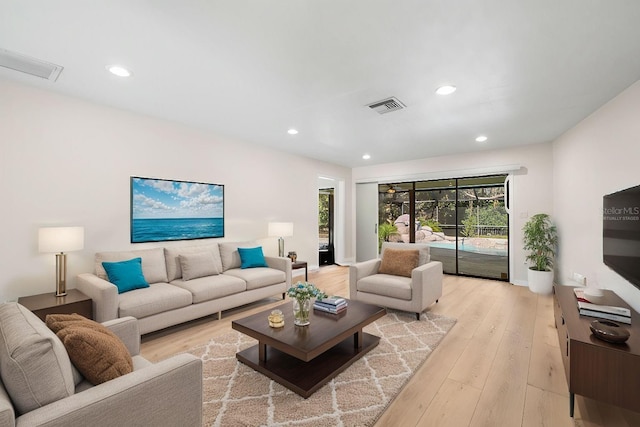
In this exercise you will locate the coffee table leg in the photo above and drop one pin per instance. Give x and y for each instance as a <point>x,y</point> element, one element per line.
<point>262,352</point>
<point>357,339</point>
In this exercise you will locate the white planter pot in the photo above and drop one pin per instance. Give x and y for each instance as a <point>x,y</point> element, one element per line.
<point>540,282</point>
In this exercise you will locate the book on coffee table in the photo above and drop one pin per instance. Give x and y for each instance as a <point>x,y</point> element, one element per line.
<point>334,310</point>
<point>333,301</point>
<point>331,305</point>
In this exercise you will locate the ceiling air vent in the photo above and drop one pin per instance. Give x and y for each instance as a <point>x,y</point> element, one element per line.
<point>25,64</point>
<point>387,105</point>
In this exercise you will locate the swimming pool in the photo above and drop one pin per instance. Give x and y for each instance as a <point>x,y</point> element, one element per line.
<point>468,247</point>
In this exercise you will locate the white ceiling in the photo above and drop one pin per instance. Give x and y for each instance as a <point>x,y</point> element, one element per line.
<point>526,70</point>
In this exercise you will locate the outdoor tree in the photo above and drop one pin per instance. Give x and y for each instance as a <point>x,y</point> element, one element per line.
<point>323,212</point>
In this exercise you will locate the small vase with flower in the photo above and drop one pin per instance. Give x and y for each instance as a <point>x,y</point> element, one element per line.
<point>302,293</point>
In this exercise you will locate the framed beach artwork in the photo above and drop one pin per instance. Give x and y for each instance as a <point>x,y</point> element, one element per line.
<point>163,209</point>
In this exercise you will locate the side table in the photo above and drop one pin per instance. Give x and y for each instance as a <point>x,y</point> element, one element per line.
<point>74,302</point>
<point>301,264</point>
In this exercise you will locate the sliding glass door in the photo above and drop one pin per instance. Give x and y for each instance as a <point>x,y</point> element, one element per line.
<point>483,228</point>
<point>463,220</point>
<point>436,220</point>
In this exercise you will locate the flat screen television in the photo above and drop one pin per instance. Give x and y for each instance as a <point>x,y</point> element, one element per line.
<point>621,233</point>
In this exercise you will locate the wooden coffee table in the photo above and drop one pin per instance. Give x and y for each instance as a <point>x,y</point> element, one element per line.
<point>304,358</point>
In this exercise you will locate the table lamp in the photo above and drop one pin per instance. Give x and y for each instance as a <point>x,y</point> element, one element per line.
<point>280,230</point>
<point>61,240</point>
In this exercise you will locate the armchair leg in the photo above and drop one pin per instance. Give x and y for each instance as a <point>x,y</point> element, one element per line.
<point>437,301</point>
<point>417,316</point>
<point>283,295</point>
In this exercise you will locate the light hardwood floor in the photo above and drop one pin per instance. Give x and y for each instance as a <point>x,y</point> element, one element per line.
<point>499,366</point>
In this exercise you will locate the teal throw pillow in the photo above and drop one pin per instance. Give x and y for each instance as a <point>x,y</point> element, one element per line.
<point>126,275</point>
<point>252,257</point>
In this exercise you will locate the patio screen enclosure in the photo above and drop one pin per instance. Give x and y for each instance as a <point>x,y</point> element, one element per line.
<point>463,220</point>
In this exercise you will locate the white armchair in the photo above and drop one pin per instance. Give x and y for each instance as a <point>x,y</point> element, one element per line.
<point>420,287</point>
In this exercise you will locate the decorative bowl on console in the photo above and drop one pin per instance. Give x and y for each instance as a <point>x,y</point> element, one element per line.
<point>609,331</point>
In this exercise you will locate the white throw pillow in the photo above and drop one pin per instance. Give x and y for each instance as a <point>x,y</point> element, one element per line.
<point>196,265</point>
<point>174,271</point>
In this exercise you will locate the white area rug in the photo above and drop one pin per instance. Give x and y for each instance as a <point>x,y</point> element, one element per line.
<point>236,395</point>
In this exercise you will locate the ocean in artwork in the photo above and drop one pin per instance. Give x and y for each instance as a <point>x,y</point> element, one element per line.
<point>158,230</point>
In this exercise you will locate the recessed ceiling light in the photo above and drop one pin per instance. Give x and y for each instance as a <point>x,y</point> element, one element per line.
<point>445,90</point>
<point>292,132</point>
<point>119,70</point>
<point>481,138</point>
<point>366,156</point>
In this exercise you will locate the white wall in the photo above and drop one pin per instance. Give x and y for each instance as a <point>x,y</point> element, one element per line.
<point>64,161</point>
<point>597,157</point>
<point>532,185</point>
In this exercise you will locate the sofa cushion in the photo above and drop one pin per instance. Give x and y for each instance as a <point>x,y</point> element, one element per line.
<point>423,249</point>
<point>388,285</point>
<point>126,275</point>
<point>399,262</point>
<point>258,277</point>
<point>157,298</point>
<point>153,263</point>
<point>230,255</point>
<point>34,365</point>
<point>174,271</point>
<point>96,351</point>
<point>252,257</point>
<point>196,265</point>
<point>211,287</point>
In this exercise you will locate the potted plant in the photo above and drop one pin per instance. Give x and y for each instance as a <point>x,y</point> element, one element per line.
<point>540,239</point>
<point>385,230</point>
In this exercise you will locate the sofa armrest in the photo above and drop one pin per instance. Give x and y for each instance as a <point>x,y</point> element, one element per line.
<point>126,328</point>
<point>282,264</point>
<point>144,397</point>
<point>7,413</point>
<point>426,282</point>
<point>103,293</point>
<point>358,271</point>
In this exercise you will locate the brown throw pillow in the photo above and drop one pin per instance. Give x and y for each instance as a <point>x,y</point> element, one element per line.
<point>95,351</point>
<point>399,262</point>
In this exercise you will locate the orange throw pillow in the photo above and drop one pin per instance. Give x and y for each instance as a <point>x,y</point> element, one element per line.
<point>399,262</point>
<point>95,351</point>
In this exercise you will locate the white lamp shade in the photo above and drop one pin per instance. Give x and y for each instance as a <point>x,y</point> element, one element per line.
<point>60,239</point>
<point>280,229</point>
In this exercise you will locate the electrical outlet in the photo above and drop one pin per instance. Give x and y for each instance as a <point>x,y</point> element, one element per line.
<point>577,277</point>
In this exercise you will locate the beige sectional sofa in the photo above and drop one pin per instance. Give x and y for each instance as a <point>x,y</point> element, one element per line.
<point>211,283</point>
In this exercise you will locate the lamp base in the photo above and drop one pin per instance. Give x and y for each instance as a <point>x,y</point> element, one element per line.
<point>61,274</point>
<point>281,246</point>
